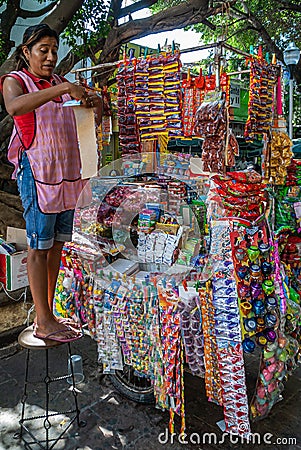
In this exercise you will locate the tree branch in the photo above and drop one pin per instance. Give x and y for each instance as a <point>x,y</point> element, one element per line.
<point>71,58</point>
<point>25,13</point>
<point>287,6</point>
<point>209,24</point>
<point>115,8</point>
<point>8,18</point>
<point>58,19</point>
<point>178,16</point>
<point>163,21</point>
<point>61,15</point>
<point>257,26</point>
<point>134,7</point>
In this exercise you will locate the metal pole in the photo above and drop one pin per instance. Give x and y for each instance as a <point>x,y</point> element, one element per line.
<point>290,108</point>
<point>217,60</point>
<point>185,50</point>
<point>238,72</point>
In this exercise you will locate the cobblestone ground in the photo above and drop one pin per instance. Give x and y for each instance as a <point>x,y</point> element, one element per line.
<point>113,422</point>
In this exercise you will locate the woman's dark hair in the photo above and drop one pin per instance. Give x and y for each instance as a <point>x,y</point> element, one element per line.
<point>31,36</point>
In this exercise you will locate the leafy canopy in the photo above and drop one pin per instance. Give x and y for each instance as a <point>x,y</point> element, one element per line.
<point>89,24</point>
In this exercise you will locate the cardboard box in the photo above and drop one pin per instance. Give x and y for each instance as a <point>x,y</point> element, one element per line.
<point>13,268</point>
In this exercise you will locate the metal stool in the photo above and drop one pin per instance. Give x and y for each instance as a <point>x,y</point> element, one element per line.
<point>27,340</point>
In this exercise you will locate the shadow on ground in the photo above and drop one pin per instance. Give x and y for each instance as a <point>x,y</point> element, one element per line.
<point>114,422</point>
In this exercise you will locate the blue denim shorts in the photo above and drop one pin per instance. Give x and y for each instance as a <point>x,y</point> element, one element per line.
<point>41,229</point>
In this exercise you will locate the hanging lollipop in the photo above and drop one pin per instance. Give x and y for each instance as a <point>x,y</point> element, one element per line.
<point>253,253</point>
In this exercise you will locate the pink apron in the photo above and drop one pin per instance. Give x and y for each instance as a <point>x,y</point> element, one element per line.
<point>53,154</point>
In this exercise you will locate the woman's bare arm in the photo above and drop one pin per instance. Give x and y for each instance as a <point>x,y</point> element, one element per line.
<point>18,103</point>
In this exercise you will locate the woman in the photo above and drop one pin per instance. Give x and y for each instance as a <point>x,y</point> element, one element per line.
<point>44,150</point>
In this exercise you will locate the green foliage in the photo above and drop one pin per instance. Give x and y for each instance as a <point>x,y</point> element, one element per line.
<point>161,5</point>
<point>278,22</point>
<point>89,24</point>
<point>2,52</point>
<point>281,25</point>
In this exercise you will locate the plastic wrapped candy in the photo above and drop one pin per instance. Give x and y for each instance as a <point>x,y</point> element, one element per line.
<point>211,125</point>
<point>279,158</point>
<point>128,135</point>
<point>263,77</point>
<point>192,332</point>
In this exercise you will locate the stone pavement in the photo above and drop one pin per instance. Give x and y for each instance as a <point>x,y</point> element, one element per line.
<point>114,422</point>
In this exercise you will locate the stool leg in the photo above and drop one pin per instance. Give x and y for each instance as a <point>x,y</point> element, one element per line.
<point>74,392</point>
<point>24,397</point>
<point>47,424</point>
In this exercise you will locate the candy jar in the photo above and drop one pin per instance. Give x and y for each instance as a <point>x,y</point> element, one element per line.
<point>248,345</point>
<point>270,335</point>
<point>261,394</point>
<point>260,324</point>
<point>263,409</point>
<point>268,287</point>
<point>250,324</point>
<point>282,340</point>
<point>266,376</point>
<point>271,303</point>
<point>243,290</point>
<point>261,340</point>
<point>266,268</point>
<point>253,253</point>
<point>256,289</point>
<point>246,308</point>
<point>240,254</point>
<point>258,307</point>
<point>264,249</point>
<point>268,353</point>
<point>270,320</point>
<point>289,324</point>
<point>280,372</point>
<point>293,295</point>
<point>282,356</point>
<point>242,272</point>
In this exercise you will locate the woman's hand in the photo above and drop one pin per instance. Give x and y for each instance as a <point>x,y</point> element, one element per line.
<point>88,98</point>
<point>76,90</point>
<point>91,100</point>
<point>18,103</point>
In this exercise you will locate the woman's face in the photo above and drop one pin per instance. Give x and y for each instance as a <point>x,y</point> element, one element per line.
<point>42,57</point>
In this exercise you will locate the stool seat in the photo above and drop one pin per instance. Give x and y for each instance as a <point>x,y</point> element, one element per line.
<point>27,340</point>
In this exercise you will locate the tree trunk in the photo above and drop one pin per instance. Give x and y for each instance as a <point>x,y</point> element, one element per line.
<point>58,19</point>
<point>11,212</point>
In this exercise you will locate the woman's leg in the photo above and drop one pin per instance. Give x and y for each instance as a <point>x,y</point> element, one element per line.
<point>37,276</point>
<point>37,269</point>
<point>53,266</point>
<point>43,254</point>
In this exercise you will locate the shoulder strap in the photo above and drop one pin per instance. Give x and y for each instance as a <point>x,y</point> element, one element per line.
<point>59,78</point>
<point>17,77</point>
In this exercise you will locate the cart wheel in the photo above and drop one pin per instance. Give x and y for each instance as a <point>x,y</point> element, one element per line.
<point>136,388</point>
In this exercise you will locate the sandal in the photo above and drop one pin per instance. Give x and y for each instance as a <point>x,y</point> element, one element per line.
<point>53,336</point>
<point>75,326</point>
<point>70,323</point>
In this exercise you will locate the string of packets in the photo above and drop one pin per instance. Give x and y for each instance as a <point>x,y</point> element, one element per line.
<point>153,101</point>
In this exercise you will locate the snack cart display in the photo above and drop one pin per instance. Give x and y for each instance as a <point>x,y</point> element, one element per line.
<point>170,266</point>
